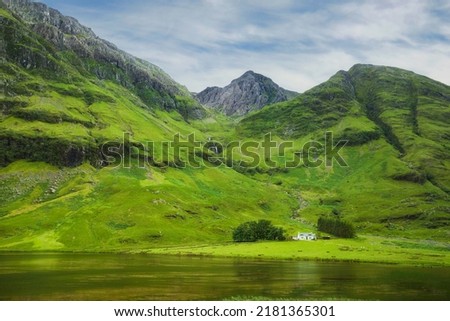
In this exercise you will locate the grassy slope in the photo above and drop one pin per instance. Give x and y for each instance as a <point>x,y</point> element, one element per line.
<point>53,105</point>
<point>412,111</point>
<point>364,192</point>
<point>123,209</point>
<point>110,209</point>
<point>383,191</point>
<point>50,97</point>
<point>187,212</point>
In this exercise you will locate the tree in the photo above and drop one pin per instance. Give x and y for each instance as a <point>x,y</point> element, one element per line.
<point>257,230</point>
<point>336,227</point>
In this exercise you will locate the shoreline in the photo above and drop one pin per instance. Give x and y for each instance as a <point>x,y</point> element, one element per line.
<point>212,256</point>
<point>369,250</point>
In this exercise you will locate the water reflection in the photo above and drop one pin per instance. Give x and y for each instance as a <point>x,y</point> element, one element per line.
<point>142,277</point>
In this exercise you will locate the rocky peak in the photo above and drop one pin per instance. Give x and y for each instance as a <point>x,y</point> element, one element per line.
<point>40,13</point>
<point>250,74</point>
<point>251,91</point>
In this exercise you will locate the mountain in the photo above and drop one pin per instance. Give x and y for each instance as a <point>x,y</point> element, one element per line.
<point>86,163</point>
<point>67,100</point>
<point>410,112</point>
<point>87,53</point>
<point>249,92</point>
<point>65,88</point>
<point>396,124</point>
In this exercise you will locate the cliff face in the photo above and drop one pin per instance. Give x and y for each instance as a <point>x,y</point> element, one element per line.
<point>249,92</point>
<point>93,55</point>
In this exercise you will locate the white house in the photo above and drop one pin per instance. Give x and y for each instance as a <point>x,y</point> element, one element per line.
<point>305,237</point>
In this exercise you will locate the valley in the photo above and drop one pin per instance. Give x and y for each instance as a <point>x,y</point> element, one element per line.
<point>68,95</point>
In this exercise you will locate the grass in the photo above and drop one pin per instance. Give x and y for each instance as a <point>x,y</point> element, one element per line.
<point>365,248</point>
<point>90,210</point>
<point>396,184</point>
<point>116,209</point>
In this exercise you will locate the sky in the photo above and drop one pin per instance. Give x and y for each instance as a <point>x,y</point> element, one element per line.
<point>297,43</point>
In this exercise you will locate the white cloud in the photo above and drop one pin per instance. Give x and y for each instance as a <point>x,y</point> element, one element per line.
<point>202,43</point>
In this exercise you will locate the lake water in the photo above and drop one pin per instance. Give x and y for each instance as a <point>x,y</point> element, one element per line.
<point>148,277</point>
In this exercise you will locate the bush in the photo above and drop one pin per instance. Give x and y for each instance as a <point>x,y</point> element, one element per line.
<point>336,227</point>
<point>260,230</point>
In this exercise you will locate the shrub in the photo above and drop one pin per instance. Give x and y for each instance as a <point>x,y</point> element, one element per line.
<point>260,230</point>
<point>336,227</point>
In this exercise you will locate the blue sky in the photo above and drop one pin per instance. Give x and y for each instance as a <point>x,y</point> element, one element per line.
<point>298,44</point>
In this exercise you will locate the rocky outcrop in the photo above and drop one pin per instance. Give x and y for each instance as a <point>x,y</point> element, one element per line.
<point>249,92</point>
<point>104,59</point>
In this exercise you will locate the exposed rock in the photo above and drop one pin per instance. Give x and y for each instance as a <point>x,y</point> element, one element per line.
<point>149,82</point>
<point>249,92</point>
<point>159,201</point>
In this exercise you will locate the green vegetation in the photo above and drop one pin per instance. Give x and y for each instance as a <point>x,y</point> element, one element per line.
<point>396,182</point>
<point>45,208</point>
<point>59,192</point>
<point>336,227</point>
<point>52,96</point>
<point>365,248</point>
<point>256,231</point>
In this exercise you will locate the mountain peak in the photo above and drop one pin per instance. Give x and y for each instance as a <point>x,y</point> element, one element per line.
<point>39,13</point>
<point>249,73</point>
<point>251,91</point>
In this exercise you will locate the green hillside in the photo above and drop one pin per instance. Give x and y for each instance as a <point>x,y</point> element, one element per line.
<point>55,97</point>
<point>63,100</point>
<point>44,207</point>
<point>57,191</point>
<point>397,127</point>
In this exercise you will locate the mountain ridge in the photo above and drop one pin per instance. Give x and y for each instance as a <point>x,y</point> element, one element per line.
<point>59,191</point>
<point>104,59</point>
<point>249,92</point>
<point>73,101</point>
<point>395,104</point>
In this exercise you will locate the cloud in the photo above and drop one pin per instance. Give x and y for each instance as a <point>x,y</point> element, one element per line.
<point>298,44</point>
